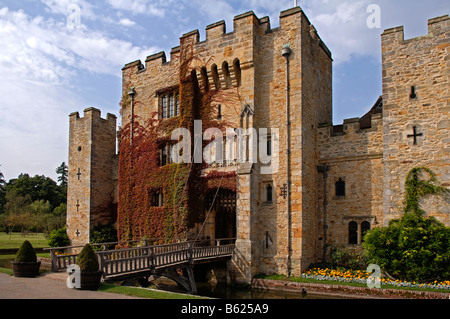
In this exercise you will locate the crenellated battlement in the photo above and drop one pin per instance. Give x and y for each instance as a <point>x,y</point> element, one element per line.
<point>436,27</point>
<point>246,27</point>
<point>92,113</point>
<point>354,125</point>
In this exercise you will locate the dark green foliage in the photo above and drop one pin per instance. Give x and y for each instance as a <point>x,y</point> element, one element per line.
<point>62,171</point>
<point>103,234</point>
<point>58,238</point>
<point>87,259</point>
<point>2,193</point>
<point>413,248</point>
<point>347,257</point>
<point>26,253</point>
<point>38,187</point>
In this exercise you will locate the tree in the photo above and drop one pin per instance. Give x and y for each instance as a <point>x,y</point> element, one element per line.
<point>2,192</point>
<point>62,171</point>
<point>414,247</point>
<point>38,187</point>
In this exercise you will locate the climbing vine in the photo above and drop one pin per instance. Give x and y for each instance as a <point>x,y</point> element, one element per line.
<point>416,188</point>
<point>141,176</point>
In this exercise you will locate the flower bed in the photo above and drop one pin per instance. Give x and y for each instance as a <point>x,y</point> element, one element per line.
<point>360,276</point>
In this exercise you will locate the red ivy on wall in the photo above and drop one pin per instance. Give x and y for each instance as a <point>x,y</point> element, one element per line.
<point>183,187</point>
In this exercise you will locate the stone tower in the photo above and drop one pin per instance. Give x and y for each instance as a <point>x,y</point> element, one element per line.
<point>416,122</point>
<point>274,78</point>
<point>92,149</point>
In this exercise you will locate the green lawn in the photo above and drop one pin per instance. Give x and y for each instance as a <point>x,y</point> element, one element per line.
<point>15,240</point>
<point>145,293</point>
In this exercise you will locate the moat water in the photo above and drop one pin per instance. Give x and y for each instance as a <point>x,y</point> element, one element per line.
<point>222,291</point>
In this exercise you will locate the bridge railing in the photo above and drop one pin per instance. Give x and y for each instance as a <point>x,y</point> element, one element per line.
<point>146,255</point>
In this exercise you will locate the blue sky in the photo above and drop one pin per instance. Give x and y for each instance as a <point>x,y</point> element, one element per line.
<point>48,69</point>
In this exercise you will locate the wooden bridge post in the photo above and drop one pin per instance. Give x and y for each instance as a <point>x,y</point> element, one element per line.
<point>151,259</point>
<point>54,261</point>
<point>190,268</point>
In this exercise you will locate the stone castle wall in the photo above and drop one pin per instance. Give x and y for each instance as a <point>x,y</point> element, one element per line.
<point>422,63</point>
<point>355,156</point>
<point>247,71</point>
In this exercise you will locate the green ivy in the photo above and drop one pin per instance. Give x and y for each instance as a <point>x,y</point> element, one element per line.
<point>418,188</point>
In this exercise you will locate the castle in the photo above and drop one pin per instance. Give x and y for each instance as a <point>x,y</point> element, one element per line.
<point>332,183</point>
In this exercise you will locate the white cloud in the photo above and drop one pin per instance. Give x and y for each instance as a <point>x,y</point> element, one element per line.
<point>63,7</point>
<point>127,22</point>
<point>40,61</point>
<point>44,50</point>
<point>153,8</point>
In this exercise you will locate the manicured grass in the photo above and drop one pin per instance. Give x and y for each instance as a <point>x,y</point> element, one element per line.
<point>15,240</point>
<point>145,293</point>
<point>6,271</point>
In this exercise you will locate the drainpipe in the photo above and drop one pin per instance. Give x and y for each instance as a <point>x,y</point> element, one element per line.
<point>324,169</point>
<point>286,52</point>
<point>131,93</point>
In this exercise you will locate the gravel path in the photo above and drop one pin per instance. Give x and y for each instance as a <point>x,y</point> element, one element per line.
<point>47,286</point>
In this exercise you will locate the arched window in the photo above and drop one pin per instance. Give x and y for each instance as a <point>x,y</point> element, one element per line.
<point>269,191</point>
<point>226,74</point>
<point>340,187</point>
<point>353,233</point>
<point>237,71</point>
<point>365,227</point>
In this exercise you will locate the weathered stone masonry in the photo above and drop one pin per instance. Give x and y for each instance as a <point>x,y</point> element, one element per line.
<point>366,159</point>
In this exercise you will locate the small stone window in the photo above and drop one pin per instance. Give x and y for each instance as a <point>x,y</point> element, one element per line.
<point>157,198</point>
<point>413,94</point>
<point>353,233</point>
<point>340,188</point>
<point>269,145</point>
<point>269,193</point>
<point>79,148</point>
<point>219,111</point>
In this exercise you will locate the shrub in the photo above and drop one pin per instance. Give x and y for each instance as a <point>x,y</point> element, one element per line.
<point>413,248</point>
<point>87,260</point>
<point>58,238</point>
<point>26,253</point>
<point>349,257</point>
<point>103,234</point>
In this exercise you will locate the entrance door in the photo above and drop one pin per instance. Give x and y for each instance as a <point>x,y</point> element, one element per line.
<point>225,208</point>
